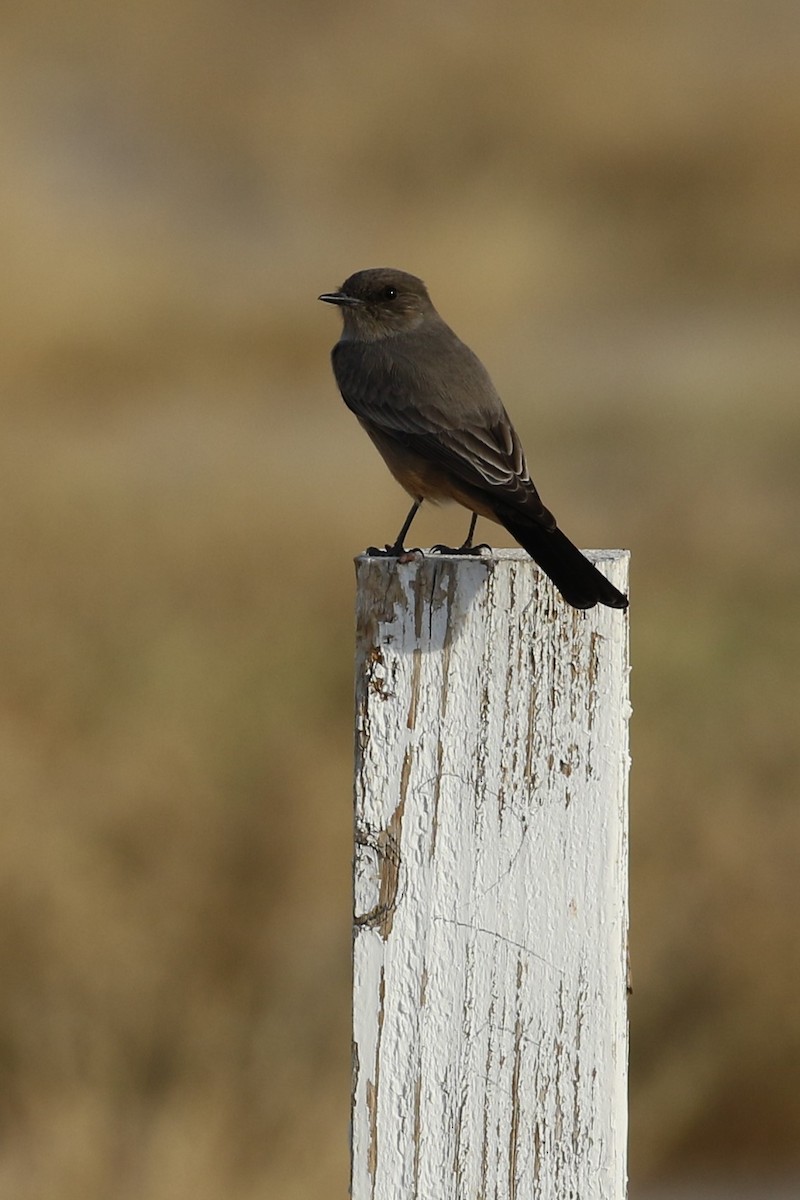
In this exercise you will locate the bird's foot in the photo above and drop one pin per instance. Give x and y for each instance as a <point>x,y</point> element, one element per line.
<point>397,551</point>
<point>462,550</point>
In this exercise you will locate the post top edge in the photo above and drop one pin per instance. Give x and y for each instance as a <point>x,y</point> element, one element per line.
<point>498,555</point>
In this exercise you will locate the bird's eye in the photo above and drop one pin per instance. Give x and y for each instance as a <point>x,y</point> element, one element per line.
<point>389,293</point>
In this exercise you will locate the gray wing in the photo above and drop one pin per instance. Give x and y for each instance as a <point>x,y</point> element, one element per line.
<point>434,397</point>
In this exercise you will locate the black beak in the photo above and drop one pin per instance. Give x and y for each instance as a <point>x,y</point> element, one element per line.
<point>339,298</point>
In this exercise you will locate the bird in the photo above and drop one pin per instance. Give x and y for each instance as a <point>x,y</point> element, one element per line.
<point>431,409</point>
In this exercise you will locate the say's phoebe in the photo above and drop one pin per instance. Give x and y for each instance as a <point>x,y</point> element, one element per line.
<point>430,407</point>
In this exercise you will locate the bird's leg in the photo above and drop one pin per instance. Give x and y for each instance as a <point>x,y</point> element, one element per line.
<point>466,546</point>
<point>397,550</point>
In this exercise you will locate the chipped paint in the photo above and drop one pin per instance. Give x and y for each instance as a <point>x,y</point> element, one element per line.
<point>489,885</point>
<point>373,1092</point>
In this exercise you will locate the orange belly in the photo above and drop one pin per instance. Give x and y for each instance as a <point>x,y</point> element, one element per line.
<point>427,480</point>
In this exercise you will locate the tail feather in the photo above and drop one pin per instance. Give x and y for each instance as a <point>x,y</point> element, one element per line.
<point>578,580</point>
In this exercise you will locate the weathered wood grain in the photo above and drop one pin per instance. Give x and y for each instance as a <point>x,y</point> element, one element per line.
<point>490,880</point>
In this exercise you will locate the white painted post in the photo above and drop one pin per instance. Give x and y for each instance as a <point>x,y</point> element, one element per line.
<point>490,1030</point>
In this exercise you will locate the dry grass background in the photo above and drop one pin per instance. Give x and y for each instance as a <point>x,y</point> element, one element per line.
<point>603,198</point>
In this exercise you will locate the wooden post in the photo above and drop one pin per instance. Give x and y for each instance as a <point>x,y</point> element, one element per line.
<point>490,878</point>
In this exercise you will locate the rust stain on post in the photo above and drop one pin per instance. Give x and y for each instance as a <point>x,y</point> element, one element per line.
<point>415,677</point>
<point>389,849</point>
<point>389,842</point>
<point>373,1091</point>
<point>516,1105</point>
<point>372,1107</point>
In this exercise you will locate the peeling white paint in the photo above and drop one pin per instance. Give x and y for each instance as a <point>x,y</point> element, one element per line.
<point>490,884</point>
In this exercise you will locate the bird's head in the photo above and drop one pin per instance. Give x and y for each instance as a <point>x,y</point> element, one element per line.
<point>381,302</point>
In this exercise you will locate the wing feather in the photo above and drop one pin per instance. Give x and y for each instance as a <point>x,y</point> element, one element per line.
<point>437,401</point>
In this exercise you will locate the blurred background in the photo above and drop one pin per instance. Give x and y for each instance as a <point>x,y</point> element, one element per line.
<point>603,199</point>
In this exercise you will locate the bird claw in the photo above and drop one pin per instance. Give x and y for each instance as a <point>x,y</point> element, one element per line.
<point>399,552</point>
<point>459,551</point>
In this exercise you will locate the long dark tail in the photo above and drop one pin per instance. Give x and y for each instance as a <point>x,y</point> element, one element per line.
<point>578,580</point>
